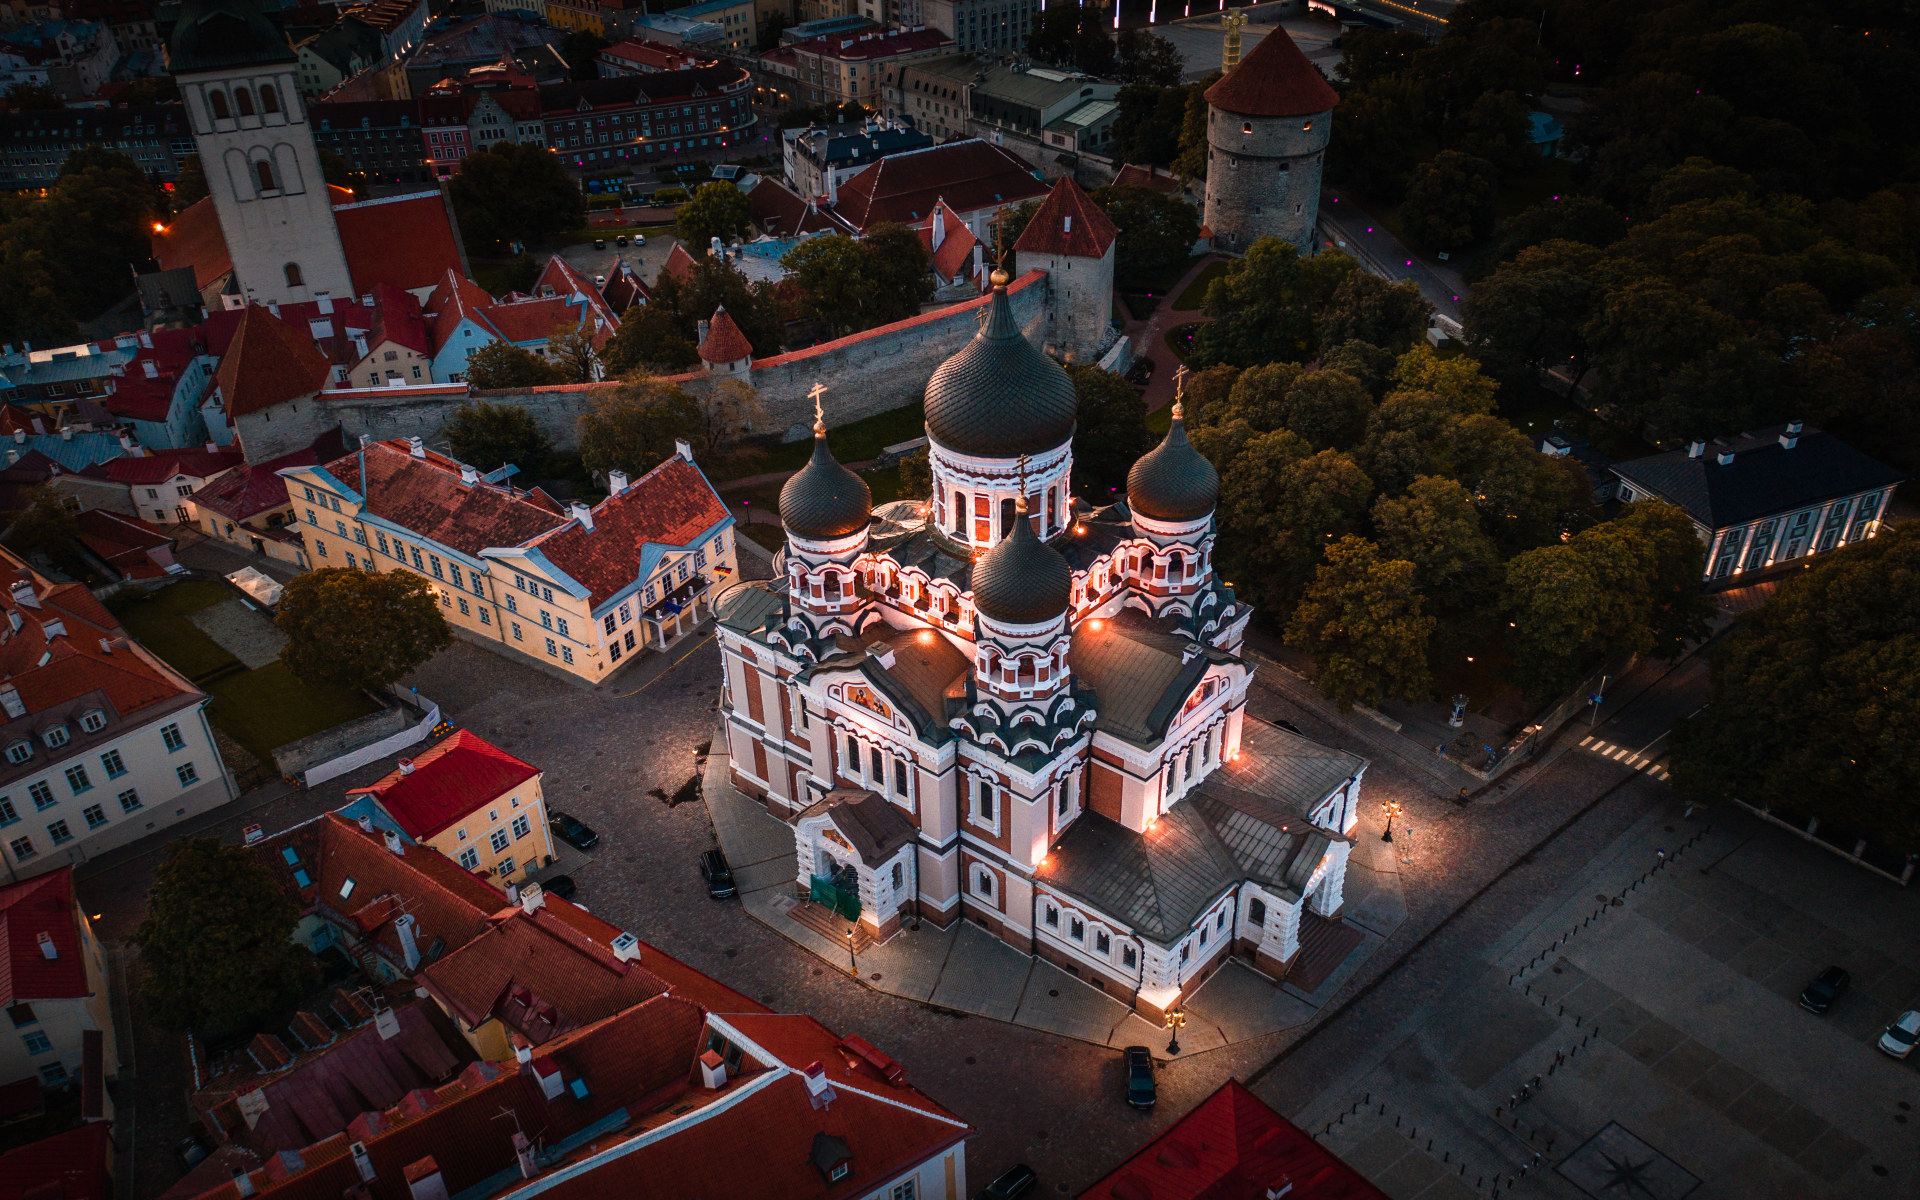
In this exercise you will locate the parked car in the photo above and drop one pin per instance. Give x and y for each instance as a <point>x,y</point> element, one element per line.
<point>719,876</point>
<point>1900,1036</point>
<point>639,239</point>
<point>1827,987</point>
<point>1017,1182</point>
<point>599,243</point>
<point>1141,1090</point>
<point>621,240</point>
<point>561,886</point>
<point>572,831</point>
<point>600,281</point>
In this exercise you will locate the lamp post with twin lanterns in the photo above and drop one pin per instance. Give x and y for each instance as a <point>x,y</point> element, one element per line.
<point>1392,809</point>
<point>1176,1019</point>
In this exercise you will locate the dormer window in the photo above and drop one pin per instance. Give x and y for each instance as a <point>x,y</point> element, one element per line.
<point>20,751</point>
<point>56,736</point>
<point>93,720</point>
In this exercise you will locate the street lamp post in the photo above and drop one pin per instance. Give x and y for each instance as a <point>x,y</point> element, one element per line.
<point>1392,809</point>
<point>1175,1020</point>
<point>853,965</point>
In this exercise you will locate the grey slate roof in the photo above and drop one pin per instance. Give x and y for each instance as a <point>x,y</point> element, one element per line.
<point>1173,481</point>
<point>746,608</point>
<point>824,500</point>
<point>1763,480</point>
<point>1133,664</point>
<point>1221,834</point>
<point>870,823</point>
<point>1022,580</point>
<point>999,396</point>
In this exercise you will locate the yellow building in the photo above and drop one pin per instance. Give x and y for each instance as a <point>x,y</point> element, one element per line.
<point>474,803</point>
<point>574,590</point>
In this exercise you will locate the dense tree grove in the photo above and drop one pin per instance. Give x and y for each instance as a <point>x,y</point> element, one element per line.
<point>509,193</point>
<point>64,256</point>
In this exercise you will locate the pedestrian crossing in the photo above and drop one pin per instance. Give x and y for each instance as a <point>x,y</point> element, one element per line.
<point>1650,764</point>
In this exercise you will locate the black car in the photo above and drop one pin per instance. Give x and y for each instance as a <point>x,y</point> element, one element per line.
<point>561,886</point>
<point>719,876</point>
<point>1827,987</point>
<point>571,831</point>
<point>621,240</point>
<point>1017,1182</point>
<point>599,243</point>
<point>1141,1091</point>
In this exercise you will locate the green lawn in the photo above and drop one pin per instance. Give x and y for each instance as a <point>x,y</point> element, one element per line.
<point>259,709</point>
<point>1195,297</point>
<point>860,441</point>
<point>1179,339</point>
<point>1156,283</point>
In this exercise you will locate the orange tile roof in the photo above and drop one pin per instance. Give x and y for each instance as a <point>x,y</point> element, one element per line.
<point>669,506</point>
<point>126,543</point>
<point>1274,80</point>
<point>425,495</point>
<point>43,904</point>
<point>405,241</point>
<point>955,255</point>
<point>679,263</point>
<point>163,465</point>
<point>797,1039</point>
<point>1149,176</point>
<point>1067,222</point>
<point>969,175</point>
<point>454,299</point>
<point>269,362</point>
<point>431,791</point>
<point>532,320</point>
<point>194,240</point>
<point>725,343</point>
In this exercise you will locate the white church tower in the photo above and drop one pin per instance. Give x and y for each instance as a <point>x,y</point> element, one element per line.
<point>237,76</point>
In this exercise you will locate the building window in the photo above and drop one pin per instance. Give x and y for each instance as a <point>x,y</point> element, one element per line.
<point>269,101</point>
<point>93,721</point>
<point>115,765</point>
<point>95,815</point>
<point>77,779</point>
<point>187,774</point>
<point>1053,916</point>
<point>983,884</point>
<point>1127,956</point>
<point>59,832</point>
<point>130,800</point>
<point>42,796</point>
<point>56,736</point>
<point>566,654</point>
<point>8,814</point>
<point>551,648</point>
<point>36,1041</point>
<point>22,1015</point>
<point>516,630</point>
<point>22,849</point>
<point>463,606</point>
<point>521,827</point>
<point>19,752</point>
<point>1077,930</point>
<point>470,858</point>
<point>983,800</point>
<point>498,840</point>
<point>1257,912</point>
<point>170,734</point>
<point>1102,943</point>
<point>1186,952</point>
<point>293,269</point>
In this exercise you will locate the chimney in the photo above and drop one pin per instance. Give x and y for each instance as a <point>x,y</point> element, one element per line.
<point>47,948</point>
<point>416,447</point>
<point>833,188</point>
<point>395,845</point>
<point>273,308</point>
<point>531,897</point>
<point>1067,223</point>
<point>13,456</point>
<point>513,893</point>
<point>582,514</point>
<point>522,1049</point>
<point>66,433</point>
<point>406,766</point>
<point>939,226</point>
<point>616,482</point>
<point>242,1184</point>
<point>361,1162</point>
<point>1796,428</point>
<point>1726,458</point>
<point>10,698</point>
<point>20,437</point>
<point>683,448</point>
<point>424,1181</point>
<point>548,1073</point>
<point>1279,1190</point>
<point>1696,448</point>
<point>146,339</point>
<point>148,367</point>
<point>126,443</point>
<point>411,951</point>
<point>213,447</point>
<point>819,1091</point>
<point>523,1151</point>
<point>23,594</point>
<point>713,1070</point>
<point>1790,437</point>
<point>715,248</point>
<point>326,304</point>
<point>626,947</point>
<point>365,823</point>
<point>54,628</point>
<point>468,475</point>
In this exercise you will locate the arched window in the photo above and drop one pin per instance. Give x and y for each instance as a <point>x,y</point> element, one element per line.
<point>243,100</point>
<point>264,170</point>
<point>269,99</point>
<point>217,101</point>
<point>293,274</point>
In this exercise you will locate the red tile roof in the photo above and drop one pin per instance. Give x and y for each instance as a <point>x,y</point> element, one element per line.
<point>798,1039</point>
<point>625,288</point>
<point>670,506</point>
<point>131,546</point>
<point>194,240</point>
<point>456,298</point>
<point>250,489</point>
<point>532,320</point>
<point>1274,80</point>
<point>397,318</point>
<point>269,362</point>
<point>405,241</point>
<point>680,263</point>
<point>462,773</point>
<point>1149,176</point>
<point>640,52</point>
<point>779,212</point>
<point>954,258</point>
<point>139,397</point>
<point>425,495</point>
<point>162,465</point>
<point>43,904</point>
<point>725,343</point>
<point>969,175</point>
<point>1067,222</point>
<point>877,44</point>
<point>1232,1147</point>
<point>66,1166</point>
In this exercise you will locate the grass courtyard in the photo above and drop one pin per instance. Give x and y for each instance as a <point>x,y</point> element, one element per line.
<point>259,709</point>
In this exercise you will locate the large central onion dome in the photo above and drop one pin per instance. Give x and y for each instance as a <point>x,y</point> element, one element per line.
<point>824,501</point>
<point>1173,481</point>
<point>1000,397</point>
<point>1022,580</point>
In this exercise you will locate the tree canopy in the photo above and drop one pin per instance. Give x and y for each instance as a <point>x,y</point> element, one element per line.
<point>361,629</point>
<point>716,210</point>
<point>504,365</point>
<point>856,285</point>
<point>217,942</point>
<point>1155,231</point>
<point>490,436</point>
<point>510,192</point>
<point>1111,434</point>
<point>710,283</point>
<point>1361,622</point>
<point>1264,307</point>
<point>632,428</point>
<point>64,257</point>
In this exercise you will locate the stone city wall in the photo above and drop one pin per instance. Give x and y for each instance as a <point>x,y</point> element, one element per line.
<point>865,374</point>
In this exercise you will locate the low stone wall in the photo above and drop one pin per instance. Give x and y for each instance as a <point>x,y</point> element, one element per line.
<point>352,744</point>
<point>867,373</point>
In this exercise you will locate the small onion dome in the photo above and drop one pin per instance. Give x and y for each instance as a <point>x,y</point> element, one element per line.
<point>1000,397</point>
<point>1022,581</point>
<point>1173,481</point>
<point>824,501</point>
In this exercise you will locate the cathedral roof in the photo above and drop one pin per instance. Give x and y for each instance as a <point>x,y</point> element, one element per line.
<point>824,500</point>
<point>1000,397</point>
<point>1022,580</point>
<point>874,825</point>
<point>1173,481</point>
<point>1140,668</point>
<point>212,34</point>
<point>1274,80</point>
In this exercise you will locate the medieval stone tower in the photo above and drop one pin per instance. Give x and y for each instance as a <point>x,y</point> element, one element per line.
<point>239,81</point>
<point>1073,242</point>
<point>1267,126</point>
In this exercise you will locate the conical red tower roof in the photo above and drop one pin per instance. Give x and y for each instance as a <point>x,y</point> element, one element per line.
<point>1274,80</point>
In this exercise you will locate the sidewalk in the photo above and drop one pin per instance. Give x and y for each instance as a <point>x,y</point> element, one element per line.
<point>965,969</point>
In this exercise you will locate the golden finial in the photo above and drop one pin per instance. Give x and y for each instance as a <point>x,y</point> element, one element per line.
<point>1020,501</point>
<point>819,411</point>
<point>1230,48</point>
<point>1000,278</point>
<point>1179,384</point>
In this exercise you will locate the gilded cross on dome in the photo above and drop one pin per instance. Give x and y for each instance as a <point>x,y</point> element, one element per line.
<point>819,411</point>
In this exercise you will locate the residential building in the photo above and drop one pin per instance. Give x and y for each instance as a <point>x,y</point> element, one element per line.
<point>471,801</point>
<point>455,49</point>
<point>850,68</point>
<point>159,487</point>
<point>1232,1144</point>
<point>74,58</point>
<point>932,94</point>
<point>974,179</point>
<point>993,27</point>
<point>248,507</point>
<point>1040,111</point>
<point>575,591</point>
<point>131,550</point>
<point>402,23</point>
<point>158,392</point>
<point>55,985</point>
<point>34,144</point>
<point>597,124</point>
<point>462,318</point>
<point>73,1165</point>
<point>335,55</point>
<point>1002,705</point>
<point>672,29</point>
<point>384,138</point>
<point>131,21</point>
<point>736,18</point>
<point>51,381</point>
<point>105,743</point>
<point>1765,500</point>
<point>443,121</point>
<point>637,57</point>
<point>809,153</point>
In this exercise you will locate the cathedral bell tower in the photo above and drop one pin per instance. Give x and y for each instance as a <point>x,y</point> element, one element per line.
<point>238,78</point>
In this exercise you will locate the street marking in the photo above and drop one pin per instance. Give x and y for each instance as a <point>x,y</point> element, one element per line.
<point>1586,739</point>
<point>1623,753</point>
<point>1663,776</point>
<point>1602,747</point>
